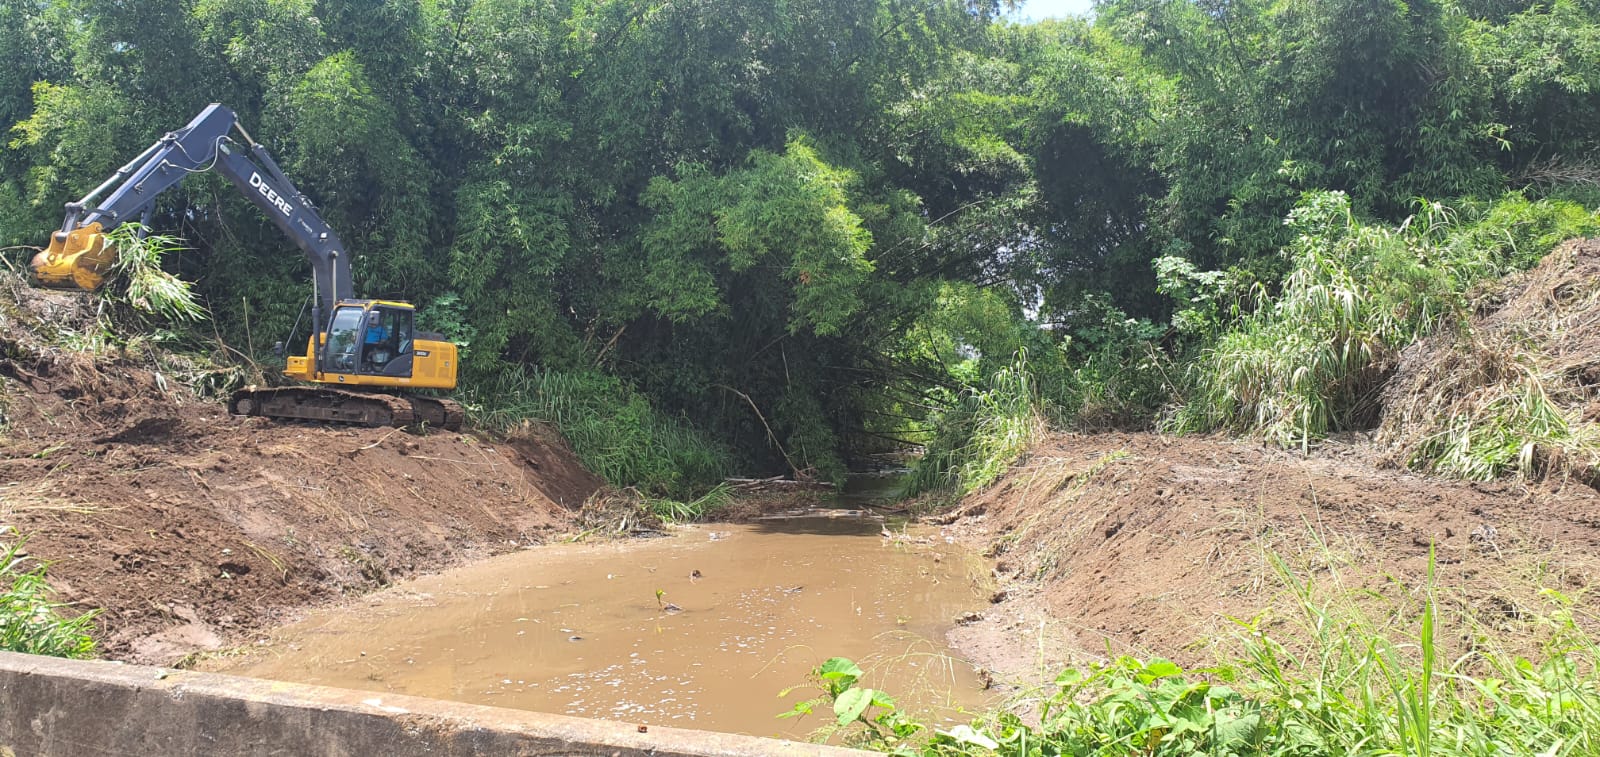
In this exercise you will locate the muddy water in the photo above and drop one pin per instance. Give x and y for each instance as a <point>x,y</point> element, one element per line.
<point>701,629</point>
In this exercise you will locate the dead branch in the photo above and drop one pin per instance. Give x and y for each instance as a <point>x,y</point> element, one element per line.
<point>794,469</point>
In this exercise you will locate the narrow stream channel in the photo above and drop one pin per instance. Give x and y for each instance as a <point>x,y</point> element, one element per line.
<point>743,612</point>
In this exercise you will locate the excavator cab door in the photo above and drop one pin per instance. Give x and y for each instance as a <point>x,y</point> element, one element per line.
<point>370,341</point>
<point>386,342</point>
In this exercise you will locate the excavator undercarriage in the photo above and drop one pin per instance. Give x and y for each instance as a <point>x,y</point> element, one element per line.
<point>321,403</point>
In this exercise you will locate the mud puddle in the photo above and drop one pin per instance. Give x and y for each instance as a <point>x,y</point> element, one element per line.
<point>702,629</point>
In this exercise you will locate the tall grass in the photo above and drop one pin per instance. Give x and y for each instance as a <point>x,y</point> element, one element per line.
<point>1312,359</point>
<point>1330,681</point>
<point>611,427</point>
<point>679,511</point>
<point>29,621</point>
<point>1309,362</point>
<point>983,434</point>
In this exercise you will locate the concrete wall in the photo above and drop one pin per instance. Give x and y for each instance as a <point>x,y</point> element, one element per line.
<point>81,709</point>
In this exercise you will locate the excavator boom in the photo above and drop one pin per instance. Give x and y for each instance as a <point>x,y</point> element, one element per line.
<point>78,255</point>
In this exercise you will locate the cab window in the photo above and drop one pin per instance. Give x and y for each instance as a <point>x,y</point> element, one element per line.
<point>344,333</point>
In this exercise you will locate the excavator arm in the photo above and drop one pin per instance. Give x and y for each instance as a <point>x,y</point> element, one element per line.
<point>79,255</point>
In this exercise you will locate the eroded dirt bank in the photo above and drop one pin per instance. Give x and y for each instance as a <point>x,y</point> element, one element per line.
<point>192,528</point>
<point>1148,545</point>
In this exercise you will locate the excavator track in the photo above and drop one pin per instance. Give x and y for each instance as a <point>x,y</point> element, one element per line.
<point>436,412</point>
<point>313,403</point>
<point>323,404</point>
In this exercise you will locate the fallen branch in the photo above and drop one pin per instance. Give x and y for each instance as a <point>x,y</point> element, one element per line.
<point>448,460</point>
<point>776,482</point>
<point>380,441</point>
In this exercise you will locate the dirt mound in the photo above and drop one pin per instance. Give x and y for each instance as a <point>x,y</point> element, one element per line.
<point>191,527</point>
<point>1149,544</point>
<point>1518,390</point>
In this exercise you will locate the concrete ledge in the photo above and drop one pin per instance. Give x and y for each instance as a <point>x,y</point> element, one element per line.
<point>77,708</point>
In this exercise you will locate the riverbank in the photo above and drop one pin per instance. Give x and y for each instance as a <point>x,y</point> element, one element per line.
<point>1179,547</point>
<point>190,529</point>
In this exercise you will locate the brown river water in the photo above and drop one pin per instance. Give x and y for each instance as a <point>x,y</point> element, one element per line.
<point>743,612</point>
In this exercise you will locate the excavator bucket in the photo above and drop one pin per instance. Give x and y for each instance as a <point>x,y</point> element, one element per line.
<point>79,258</point>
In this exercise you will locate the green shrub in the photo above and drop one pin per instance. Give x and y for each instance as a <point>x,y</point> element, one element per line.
<point>612,428</point>
<point>29,622</point>
<point>1311,359</point>
<point>1118,375</point>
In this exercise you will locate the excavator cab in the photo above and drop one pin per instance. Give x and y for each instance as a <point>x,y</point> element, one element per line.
<point>373,340</point>
<point>370,358</point>
<point>375,343</point>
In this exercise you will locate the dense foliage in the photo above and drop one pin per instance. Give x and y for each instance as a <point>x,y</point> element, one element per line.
<point>810,228</point>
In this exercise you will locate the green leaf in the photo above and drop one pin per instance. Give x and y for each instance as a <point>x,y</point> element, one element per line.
<point>838,668</point>
<point>1159,669</point>
<point>1241,730</point>
<point>800,709</point>
<point>851,704</point>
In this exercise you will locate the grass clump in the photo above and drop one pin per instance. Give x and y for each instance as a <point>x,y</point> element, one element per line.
<point>144,285</point>
<point>720,497</point>
<point>987,429</point>
<point>29,622</point>
<point>611,427</point>
<point>1308,361</point>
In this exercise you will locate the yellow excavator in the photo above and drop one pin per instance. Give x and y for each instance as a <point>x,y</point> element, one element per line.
<point>363,356</point>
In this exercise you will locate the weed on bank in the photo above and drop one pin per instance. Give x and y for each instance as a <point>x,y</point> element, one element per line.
<point>1330,681</point>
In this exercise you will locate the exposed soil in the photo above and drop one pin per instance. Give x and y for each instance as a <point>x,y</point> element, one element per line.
<point>1148,545</point>
<point>192,528</point>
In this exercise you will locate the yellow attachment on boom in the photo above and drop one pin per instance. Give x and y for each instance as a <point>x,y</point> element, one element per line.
<point>79,258</point>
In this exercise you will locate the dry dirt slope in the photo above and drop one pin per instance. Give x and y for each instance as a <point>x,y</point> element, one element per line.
<point>1148,545</point>
<point>191,527</point>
